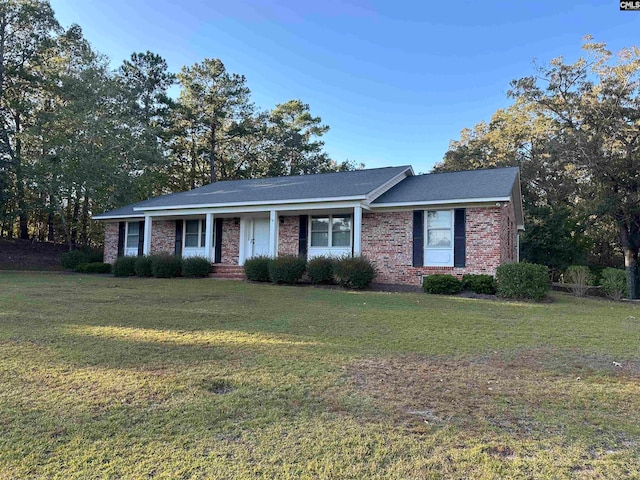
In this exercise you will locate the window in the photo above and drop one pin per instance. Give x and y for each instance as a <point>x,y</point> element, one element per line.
<point>133,234</point>
<point>195,233</point>
<point>439,231</point>
<point>438,245</point>
<point>331,231</point>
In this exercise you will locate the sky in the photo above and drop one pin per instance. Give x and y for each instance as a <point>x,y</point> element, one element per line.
<point>395,80</point>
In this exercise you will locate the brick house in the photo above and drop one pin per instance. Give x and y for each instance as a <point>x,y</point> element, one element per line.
<point>409,225</point>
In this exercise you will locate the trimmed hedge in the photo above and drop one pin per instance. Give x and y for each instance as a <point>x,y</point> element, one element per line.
<point>142,266</point>
<point>484,284</point>
<point>614,283</point>
<point>124,266</point>
<point>320,270</point>
<point>94,267</point>
<point>441,284</point>
<point>70,260</point>
<point>354,272</point>
<point>522,280</point>
<point>166,266</point>
<point>257,269</point>
<point>196,267</point>
<point>287,269</point>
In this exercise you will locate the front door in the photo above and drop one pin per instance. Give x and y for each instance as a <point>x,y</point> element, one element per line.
<point>257,237</point>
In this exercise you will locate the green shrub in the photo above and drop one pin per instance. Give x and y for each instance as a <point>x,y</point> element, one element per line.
<point>142,266</point>
<point>354,272</point>
<point>614,283</point>
<point>320,270</point>
<point>196,267</point>
<point>579,279</point>
<point>522,280</point>
<point>70,260</point>
<point>287,269</point>
<point>124,266</point>
<point>257,269</point>
<point>485,284</point>
<point>441,284</point>
<point>166,266</point>
<point>94,267</point>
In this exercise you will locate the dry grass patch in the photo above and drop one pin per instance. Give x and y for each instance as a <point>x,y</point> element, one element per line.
<point>529,395</point>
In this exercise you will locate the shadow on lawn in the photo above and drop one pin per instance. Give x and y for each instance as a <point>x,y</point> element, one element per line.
<point>119,346</point>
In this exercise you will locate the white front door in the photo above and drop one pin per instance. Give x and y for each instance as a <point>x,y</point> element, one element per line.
<point>257,237</point>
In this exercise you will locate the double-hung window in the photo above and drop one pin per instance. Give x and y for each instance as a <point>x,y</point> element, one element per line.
<point>331,231</point>
<point>194,233</point>
<point>438,250</point>
<point>133,237</point>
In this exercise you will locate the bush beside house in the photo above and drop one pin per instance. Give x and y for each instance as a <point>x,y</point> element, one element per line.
<point>441,284</point>
<point>286,269</point>
<point>354,272</point>
<point>320,270</point>
<point>194,267</point>
<point>124,266</point>
<point>522,281</point>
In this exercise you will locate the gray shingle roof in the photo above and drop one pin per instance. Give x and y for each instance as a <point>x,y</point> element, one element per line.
<point>264,190</point>
<point>433,187</point>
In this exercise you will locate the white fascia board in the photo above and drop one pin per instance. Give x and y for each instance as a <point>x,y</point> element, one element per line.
<point>253,204</point>
<point>376,192</point>
<point>118,217</point>
<point>253,209</point>
<point>456,201</point>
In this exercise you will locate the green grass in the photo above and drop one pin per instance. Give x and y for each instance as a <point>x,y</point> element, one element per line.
<point>145,378</point>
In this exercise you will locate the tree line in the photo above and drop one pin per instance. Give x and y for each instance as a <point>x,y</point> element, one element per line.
<point>574,131</point>
<point>78,137</point>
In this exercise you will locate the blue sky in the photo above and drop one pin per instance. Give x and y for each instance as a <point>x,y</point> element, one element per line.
<point>395,81</point>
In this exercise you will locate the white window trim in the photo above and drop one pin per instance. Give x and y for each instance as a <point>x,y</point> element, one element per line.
<point>126,238</point>
<point>426,248</point>
<point>330,232</point>
<point>202,225</point>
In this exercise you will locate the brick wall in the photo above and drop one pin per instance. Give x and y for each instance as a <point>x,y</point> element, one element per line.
<point>230,241</point>
<point>288,233</point>
<point>163,236</point>
<point>111,241</point>
<point>387,239</point>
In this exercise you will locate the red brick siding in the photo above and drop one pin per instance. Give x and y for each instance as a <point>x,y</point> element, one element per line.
<point>387,239</point>
<point>163,236</point>
<point>230,241</point>
<point>111,241</point>
<point>288,234</point>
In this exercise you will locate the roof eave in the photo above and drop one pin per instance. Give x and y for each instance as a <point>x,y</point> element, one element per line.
<point>420,203</point>
<point>252,203</point>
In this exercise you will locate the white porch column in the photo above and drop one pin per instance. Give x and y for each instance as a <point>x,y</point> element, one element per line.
<point>208,236</point>
<point>146,247</point>
<point>357,230</point>
<point>273,233</point>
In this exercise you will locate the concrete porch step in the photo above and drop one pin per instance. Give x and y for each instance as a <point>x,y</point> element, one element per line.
<point>227,271</point>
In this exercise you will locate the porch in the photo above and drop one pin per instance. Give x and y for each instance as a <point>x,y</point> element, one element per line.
<point>230,238</point>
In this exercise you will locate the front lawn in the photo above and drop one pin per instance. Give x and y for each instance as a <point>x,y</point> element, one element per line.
<point>145,378</point>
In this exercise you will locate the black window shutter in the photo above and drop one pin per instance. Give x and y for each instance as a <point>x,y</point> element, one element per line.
<point>178,247</point>
<point>121,234</point>
<point>141,237</point>
<point>217,255</point>
<point>418,238</point>
<point>459,238</point>
<point>303,235</point>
